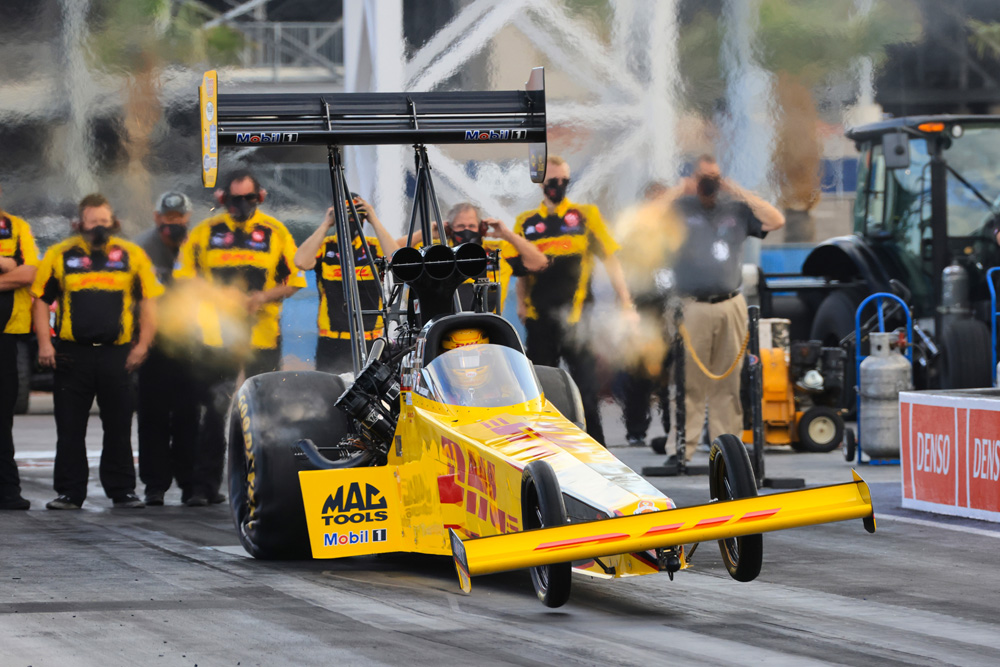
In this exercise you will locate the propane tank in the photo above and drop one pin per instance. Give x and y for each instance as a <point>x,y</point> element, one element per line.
<point>954,290</point>
<point>884,374</point>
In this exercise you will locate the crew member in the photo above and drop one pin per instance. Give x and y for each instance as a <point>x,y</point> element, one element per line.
<point>646,371</point>
<point>18,263</point>
<point>105,324</point>
<point>322,253</point>
<point>718,216</point>
<point>168,410</point>
<point>553,302</point>
<point>253,252</point>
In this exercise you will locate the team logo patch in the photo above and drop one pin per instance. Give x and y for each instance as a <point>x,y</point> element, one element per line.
<point>572,218</point>
<point>540,228</point>
<point>352,505</point>
<point>530,229</point>
<point>257,235</point>
<point>115,255</point>
<point>720,251</point>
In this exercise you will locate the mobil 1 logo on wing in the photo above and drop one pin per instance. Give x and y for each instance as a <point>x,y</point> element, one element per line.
<point>352,504</point>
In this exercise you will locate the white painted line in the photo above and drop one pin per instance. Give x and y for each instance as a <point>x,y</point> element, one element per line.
<point>49,455</point>
<point>935,524</point>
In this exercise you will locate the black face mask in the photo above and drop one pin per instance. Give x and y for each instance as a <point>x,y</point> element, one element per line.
<point>97,237</point>
<point>708,186</point>
<point>174,233</point>
<point>555,189</point>
<point>241,208</point>
<point>467,236</point>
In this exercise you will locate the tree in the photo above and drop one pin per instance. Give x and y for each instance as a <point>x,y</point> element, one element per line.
<point>804,44</point>
<point>136,39</point>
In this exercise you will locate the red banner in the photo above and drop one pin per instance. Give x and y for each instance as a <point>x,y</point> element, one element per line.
<point>950,452</point>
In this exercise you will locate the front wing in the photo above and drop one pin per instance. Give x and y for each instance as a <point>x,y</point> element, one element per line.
<point>666,528</point>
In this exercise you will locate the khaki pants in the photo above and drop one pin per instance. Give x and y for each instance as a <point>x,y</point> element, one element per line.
<point>717,331</point>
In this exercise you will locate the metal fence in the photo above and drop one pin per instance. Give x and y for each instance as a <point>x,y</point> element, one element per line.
<point>315,47</point>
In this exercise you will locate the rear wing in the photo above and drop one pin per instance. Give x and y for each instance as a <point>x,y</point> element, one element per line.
<point>338,119</point>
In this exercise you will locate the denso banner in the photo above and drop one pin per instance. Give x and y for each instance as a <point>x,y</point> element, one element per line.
<point>950,452</point>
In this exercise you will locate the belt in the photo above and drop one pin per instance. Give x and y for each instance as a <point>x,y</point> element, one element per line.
<point>718,298</point>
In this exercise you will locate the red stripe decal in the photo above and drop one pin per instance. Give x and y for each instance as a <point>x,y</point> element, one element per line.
<point>596,539</point>
<point>664,529</point>
<point>762,514</point>
<point>713,522</point>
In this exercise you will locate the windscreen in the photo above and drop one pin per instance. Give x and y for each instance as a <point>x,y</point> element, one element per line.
<point>479,376</point>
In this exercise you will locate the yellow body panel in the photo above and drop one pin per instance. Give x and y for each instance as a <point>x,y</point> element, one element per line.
<point>460,469</point>
<point>208,93</point>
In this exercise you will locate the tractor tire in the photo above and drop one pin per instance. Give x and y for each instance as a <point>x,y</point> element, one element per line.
<point>542,506</point>
<point>966,347</point>
<point>731,477</point>
<point>271,413</point>
<point>560,389</point>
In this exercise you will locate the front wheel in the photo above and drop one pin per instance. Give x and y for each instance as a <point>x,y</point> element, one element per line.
<point>731,477</point>
<point>542,507</point>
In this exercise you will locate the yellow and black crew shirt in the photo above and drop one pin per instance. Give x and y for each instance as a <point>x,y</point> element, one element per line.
<point>332,321</point>
<point>571,236</point>
<point>255,255</point>
<point>98,292</point>
<point>17,243</point>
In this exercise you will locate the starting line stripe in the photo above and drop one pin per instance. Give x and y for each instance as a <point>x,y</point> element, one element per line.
<point>935,524</point>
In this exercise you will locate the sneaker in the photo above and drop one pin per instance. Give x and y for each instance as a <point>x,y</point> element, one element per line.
<point>14,503</point>
<point>635,441</point>
<point>671,460</point>
<point>217,499</point>
<point>128,501</point>
<point>154,498</point>
<point>63,503</point>
<point>196,500</point>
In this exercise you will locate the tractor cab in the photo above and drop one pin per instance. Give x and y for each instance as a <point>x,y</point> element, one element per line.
<point>916,230</point>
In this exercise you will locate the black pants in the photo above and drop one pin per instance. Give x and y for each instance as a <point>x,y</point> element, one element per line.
<point>638,385</point>
<point>10,482</point>
<point>83,372</point>
<point>214,392</point>
<point>548,342</point>
<point>168,423</point>
<point>333,355</point>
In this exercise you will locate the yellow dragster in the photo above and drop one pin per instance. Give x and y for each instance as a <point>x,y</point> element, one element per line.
<point>446,439</point>
<point>475,453</point>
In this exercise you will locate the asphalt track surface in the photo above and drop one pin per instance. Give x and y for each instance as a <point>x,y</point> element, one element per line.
<point>171,586</point>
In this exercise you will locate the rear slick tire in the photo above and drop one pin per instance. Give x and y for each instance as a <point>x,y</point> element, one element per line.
<point>542,507</point>
<point>731,477</point>
<point>271,413</point>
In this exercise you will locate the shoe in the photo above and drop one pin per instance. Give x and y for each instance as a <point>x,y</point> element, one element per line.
<point>14,503</point>
<point>128,501</point>
<point>154,498</point>
<point>671,460</point>
<point>635,441</point>
<point>217,499</point>
<point>196,500</point>
<point>63,503</point>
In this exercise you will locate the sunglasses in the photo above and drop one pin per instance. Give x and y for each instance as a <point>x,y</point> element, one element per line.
<point>557,181</point>
<point>251,198</point>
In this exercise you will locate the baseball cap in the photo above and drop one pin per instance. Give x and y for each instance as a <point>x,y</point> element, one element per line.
<point>174,202</point>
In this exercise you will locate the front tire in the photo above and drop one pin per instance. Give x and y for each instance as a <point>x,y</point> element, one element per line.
<point>271,413</point>
<point>966,344</point>
<point>731,477</point>
<point>542,507</point>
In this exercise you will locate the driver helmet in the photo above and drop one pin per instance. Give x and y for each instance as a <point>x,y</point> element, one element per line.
<point>469,369</point>
<point>463,337</point>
